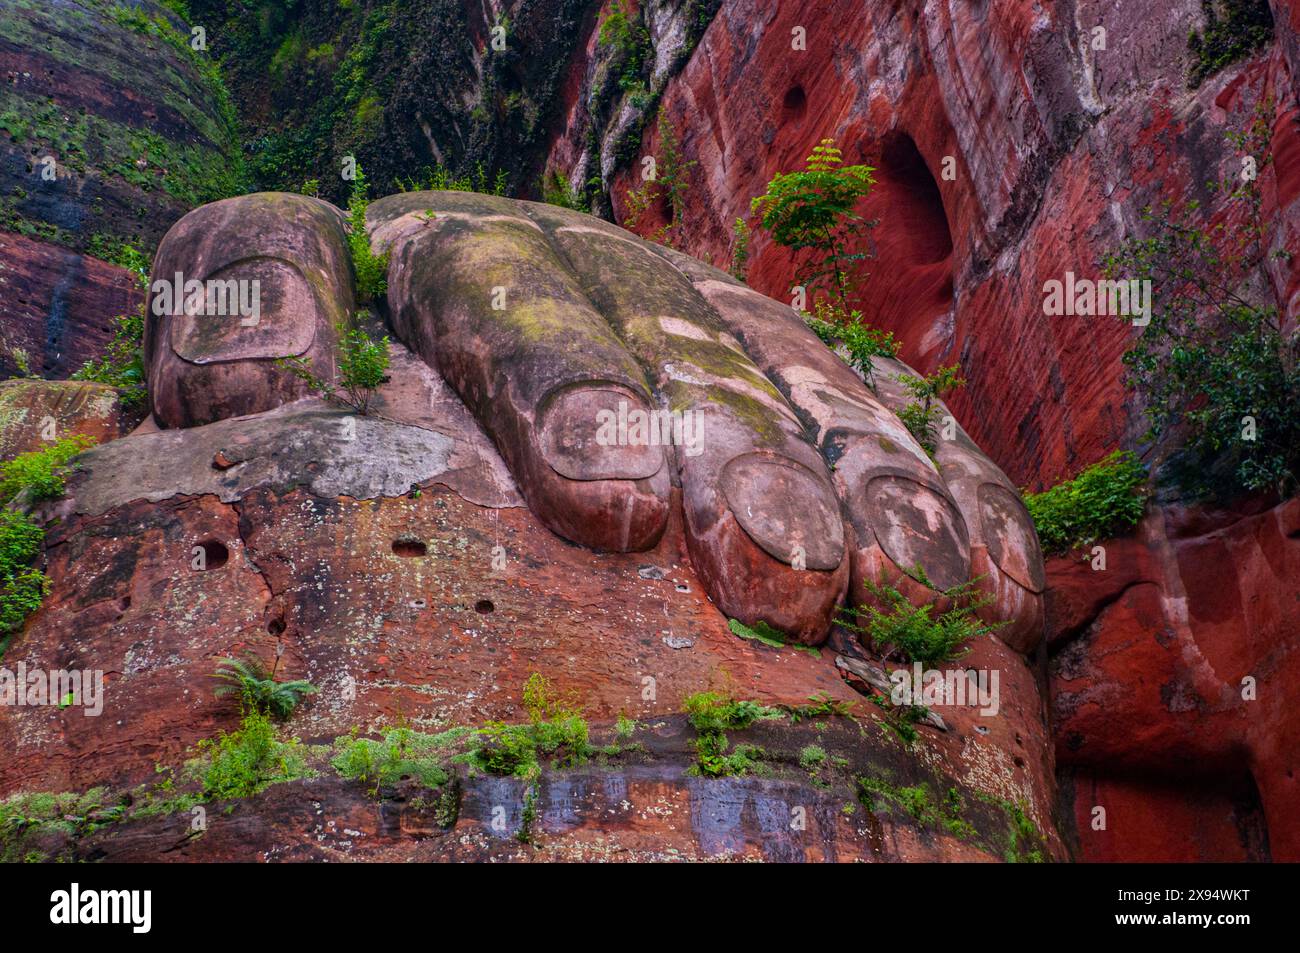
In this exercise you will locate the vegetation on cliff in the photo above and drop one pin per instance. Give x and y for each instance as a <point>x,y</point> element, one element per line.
<point>34,476</point>
<point>1233,29</point>
<point>1216,368</point>
<point>938,631</point>
<point>398,84</point>
<point>88,168</point>
<point>813,212</point>
<point>1103,501</point>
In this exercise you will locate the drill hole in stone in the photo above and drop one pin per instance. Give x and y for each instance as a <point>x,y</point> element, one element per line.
<point>409,546</point>
<point>214,556</point>
<point>484,606</point>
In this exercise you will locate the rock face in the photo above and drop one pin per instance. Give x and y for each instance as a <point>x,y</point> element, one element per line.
<point>409,563</point>
<point>395,608</point>
<point>553,327</point>
<point>58,306</point>
<point>1173,676</point>
<point>112,128</point>
<point>133,125</point>
<point>35,412</point>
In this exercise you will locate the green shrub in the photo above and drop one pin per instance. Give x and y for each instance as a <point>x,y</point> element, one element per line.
<point>22,586</point>
<point>624,727</point>
<point>715,711</point>
<point>623,30</point>
<point>245,762</point>
<point>555,728</point>
<point>363,366</point>
<point>20,356</point>
<point>1025,842</point>
<point>30,822</point>
<point>861,342</point>
<point>920,633</point>
<point>41,472</point>
<point>739,249</point>
<point>900,719</point>
<point>441,179</point>
<point>1233,30</point>
<point>123,254</point>
<point>1103,501</point>
<point>819,705</point>
<point>255,686</point>
<point>712,714</point>
<point>557,190</point>
<point>814,211</point>
<point>812,757</point>
<point>400,754</point>
<point>918,803</point>
<point>1215,368</point>
<point>669,185</point>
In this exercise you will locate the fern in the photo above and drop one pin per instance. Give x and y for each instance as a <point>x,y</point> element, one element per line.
<point>255,686</point>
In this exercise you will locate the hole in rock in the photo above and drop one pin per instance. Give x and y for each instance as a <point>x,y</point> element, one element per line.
<point>215,554</point>
<point>916,207</point>
<point>276,626</point>
<point>795,103</point>
<point>409,546</point>
<point>911,275</point>
<point>484,606</point>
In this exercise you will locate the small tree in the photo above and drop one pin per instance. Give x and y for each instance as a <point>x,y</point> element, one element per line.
<point>921,414</point>
<point>813,211</point>
<point>363,364</point>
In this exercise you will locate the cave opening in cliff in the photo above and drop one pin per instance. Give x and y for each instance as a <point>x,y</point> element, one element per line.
<point>794,105</point>
<point>911,281</point>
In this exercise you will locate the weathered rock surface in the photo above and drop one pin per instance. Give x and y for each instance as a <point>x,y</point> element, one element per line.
<point>114,95</point>
<point>389,560</point>
<point>111,130</point>
<point>58,306</point>
<point>1173,680</point>
<point>237,286</point>
<point>1055,148</point>
<point>35,412</point>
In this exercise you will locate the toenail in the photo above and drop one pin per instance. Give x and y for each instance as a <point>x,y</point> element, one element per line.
<point>785,509</point>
